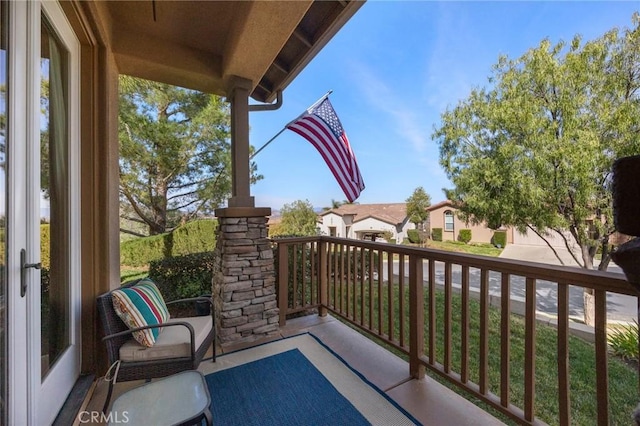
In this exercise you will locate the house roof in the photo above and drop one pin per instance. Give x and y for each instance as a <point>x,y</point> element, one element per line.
<point>202,45</point>
<point>391,213</point>
<point>445,203</point>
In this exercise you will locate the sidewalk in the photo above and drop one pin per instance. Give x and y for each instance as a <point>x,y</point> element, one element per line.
<point>620,307</point>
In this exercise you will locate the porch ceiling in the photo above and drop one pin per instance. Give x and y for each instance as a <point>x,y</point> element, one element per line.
<point>202,44</point>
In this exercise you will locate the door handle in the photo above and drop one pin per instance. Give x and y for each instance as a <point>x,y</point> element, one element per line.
<point>23,271</point>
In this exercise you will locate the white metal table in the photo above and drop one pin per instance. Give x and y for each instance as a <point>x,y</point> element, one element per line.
<point>180,399</point>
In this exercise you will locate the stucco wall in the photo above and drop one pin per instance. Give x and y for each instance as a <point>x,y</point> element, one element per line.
<point>346,228</point>
<point>479,233</point>
<point>370,225</point>
<point>333,220</point>
<point>530,238</point>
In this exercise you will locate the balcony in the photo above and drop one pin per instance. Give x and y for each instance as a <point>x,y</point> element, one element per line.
<point>440,315</point>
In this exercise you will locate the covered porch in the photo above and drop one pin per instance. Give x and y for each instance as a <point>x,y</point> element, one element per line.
<point>394,313</point>
<point>426,400</point>
<point>253,50</point>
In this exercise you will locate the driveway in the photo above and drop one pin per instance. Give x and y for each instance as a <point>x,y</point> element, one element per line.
<point>539,254</point>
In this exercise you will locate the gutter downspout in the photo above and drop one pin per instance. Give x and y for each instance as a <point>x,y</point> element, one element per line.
<point>268,107</point>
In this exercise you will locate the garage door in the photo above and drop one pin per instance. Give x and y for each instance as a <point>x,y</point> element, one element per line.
<point>530,238</point>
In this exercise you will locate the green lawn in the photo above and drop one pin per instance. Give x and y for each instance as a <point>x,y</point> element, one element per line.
<point>129,273</point>
<point>623,380</point>
<point>471,248</point>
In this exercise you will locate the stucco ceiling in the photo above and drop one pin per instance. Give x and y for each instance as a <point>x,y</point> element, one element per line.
<point>203,44</point>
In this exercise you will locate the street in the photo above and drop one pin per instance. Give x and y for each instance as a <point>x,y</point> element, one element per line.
<point>619,307</point>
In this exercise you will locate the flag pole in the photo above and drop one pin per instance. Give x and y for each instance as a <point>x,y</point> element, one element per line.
<point>285,127</point>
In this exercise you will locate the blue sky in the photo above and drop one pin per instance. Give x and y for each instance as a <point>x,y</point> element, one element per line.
<point>394,68</point>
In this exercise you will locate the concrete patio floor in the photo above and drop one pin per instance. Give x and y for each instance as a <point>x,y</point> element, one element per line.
<point>427,400</point>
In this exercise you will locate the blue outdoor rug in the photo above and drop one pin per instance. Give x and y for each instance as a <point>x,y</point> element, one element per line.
<point>282,389</point>
<point>295,381</point>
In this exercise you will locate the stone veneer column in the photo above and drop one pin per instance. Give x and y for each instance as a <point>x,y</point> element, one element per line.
<point>245,284</point>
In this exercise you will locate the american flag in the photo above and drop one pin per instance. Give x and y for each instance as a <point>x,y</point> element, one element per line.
<point>321,126</point>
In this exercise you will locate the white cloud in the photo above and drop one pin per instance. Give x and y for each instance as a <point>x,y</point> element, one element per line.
<point>452,58</point>
<point>408,121</point>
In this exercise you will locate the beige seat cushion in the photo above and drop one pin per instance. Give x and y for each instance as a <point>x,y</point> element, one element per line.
<point>172,342</point>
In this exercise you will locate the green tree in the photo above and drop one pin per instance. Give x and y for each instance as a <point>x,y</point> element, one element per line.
<point>417,205</point>
<point>175,153</point>
<point>535,149</point>
<point>298,218</point>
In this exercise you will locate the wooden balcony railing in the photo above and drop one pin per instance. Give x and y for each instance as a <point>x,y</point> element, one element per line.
<point>380,288</point>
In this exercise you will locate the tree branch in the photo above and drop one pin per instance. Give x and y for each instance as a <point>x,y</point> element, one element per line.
<point>127,231</point>
<point>135,206</point>
<point>566,244</point>
<point>133,219</point>
<point>188,184</point>
<point>188,204</point>
<point>548,244</point>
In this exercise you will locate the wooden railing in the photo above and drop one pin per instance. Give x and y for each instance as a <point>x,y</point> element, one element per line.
<point>380,288</point>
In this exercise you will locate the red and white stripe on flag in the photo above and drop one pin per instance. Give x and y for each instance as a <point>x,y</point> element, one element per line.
<point>321,126</point>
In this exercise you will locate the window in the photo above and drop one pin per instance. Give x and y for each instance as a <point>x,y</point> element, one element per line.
<point>332,231</point>
<point>448,220</point>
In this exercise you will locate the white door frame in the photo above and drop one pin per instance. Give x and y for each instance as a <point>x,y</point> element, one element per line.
<point>34,400</point>
<point>17,367</point>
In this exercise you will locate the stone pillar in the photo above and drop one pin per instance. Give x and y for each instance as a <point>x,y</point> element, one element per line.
<point>246,285</point>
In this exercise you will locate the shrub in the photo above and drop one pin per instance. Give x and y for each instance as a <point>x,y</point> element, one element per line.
<point>414,236</point>
<point>499,239</point>
<point>45,245</point>
<point>355,259</point>
<point>141,251</point>
<point>196,236</point>
<point>45,280</point>
<point>464,236</point>
<point>436,234</point>
<point>624,341</point>
<point>301,272</point>
<point>185,276</point>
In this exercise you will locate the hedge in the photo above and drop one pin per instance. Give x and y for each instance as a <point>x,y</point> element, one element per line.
<point>185,276</point>
<point>197,236</point>
<point>499,239</point>
<point>464,235</point>
<point>436,234</point>
<point>141,251</point>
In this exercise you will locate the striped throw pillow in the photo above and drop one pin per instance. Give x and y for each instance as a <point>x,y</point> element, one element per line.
<point>140,305</point>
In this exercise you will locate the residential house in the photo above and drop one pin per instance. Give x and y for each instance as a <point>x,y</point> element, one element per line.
<point>444,215</point>
<point>239,50</point>
<point>366,221</point>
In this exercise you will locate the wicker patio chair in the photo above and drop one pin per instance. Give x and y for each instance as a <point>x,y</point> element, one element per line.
<point>117,335</point>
